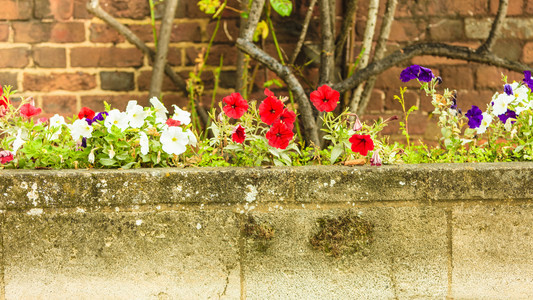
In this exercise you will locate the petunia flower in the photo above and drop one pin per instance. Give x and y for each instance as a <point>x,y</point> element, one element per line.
<point>485,123</point>
<point>160,110</point>
<point>5,156</point>
<point>361,143</point>
<point>474,116</point>
<point>116,118</point>
<point>28,110</point>
<point>508,114</point>
<point>235,105</point>
<point>100,116</point>
<point>172,123</point>
<point>375,160</point>
<point>500,103</point>
<point>80,128</point>
<point>4,102</point>
<point>288,117</point>
<point>56,121</point>
<point>425,75</point>
<point>136,114</point>
<point>143,141</point>
<point>357,124</point>
<point>279,135</point>
<point>269,93</point>
<point>508,89</point>
<point>325,98</point>
<point>183,116</point>
<point>270,109</point>
<point>528,80</point>
<point>18,142</point>
<point>174,140</point>
<point>410,73</point>
<point>237,134</point>
<point>192,138</point>
<point>86,112</point>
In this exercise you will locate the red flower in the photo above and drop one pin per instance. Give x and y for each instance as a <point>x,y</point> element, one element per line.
<point>5,157</point>
<point>325,98</point>
<point>28,110</point>
<point>172,123</point>
<point>269,93</point>
<point>361,143</point>
<point>270,109</point>
<point>279,135</point>
<point>86,112</point>
<point>288,117</point>
<point>3,99</point>
<point>238,135</point>
<point>236,106</point>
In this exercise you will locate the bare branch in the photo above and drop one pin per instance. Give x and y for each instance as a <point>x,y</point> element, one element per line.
<point>301,39</point>
<point>496,25</point>
<point>241,57</point>
<point>306,112</point>
<point>435,49</point>
<point>253,18</point>
<point>162,48</point>
<point>327,57</point>
<point>347,26</point>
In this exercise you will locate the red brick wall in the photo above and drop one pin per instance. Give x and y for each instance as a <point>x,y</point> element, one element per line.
<point>55,51</point>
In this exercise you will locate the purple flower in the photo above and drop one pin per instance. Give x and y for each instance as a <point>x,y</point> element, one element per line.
<point>508,114</point>
<point>474,115</point>
<point>508,89</point>
<point>89,121</point>
<point>528,80</point>
<point>409,73</point>
<point>100,116</point>
<point>425,75</point>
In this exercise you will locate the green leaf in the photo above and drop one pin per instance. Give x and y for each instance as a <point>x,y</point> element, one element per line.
<point>261,30</point>
<point>107,162</point>
<point>282,7</point>
<point>335,153</point>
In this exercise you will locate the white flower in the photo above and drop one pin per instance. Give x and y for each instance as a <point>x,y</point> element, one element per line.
<point>485,122</point>
<point>160,110</point>
<point>174,140</point>
<point>56,122</point>
<point>500,103</point>
<point>136,114</point>
<point>191,137</point>
<point>80,128</point>
<point>143,141</point>
<point>520,93</point>
<point>116,118</point>
<point>181,115</point>
<point>90,158</point>
<point>18,142</point>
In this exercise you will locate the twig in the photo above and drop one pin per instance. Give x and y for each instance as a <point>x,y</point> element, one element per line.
<point>301,39</point>
<point>162,48</point>
<point>242,64</point>
<point>327,57</point>
<point>496,25</point>
<point>347,26</point>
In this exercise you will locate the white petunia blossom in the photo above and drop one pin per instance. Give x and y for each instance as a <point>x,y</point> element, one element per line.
<point>160,110</point>
<point>56,121</point>
<point>181,115</point>
<point>80,128</point>
<point>485,122</point>
<point>501,102</point>
<point>192,138</point>
<point>143,141</point>
<point>136,115</point>
<point>174,140</point>
<point>18,142</point>
<point>116,118</point>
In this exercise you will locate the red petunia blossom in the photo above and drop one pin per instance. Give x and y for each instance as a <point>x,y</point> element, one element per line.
<point>279,135</point>
<point>4,102</point>
<point>172,123</point>
<point>238,135</point>
<point>325,98</point>
<point>28,110</point>
<point>5,156</point>
<point>288,117</point>
<point>361,143</point>
<point>269,93</point>
<point>86,112</point>
<point>235,106</point>
<point>270,109</point>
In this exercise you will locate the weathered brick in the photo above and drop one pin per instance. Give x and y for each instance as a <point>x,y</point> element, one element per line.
<point>64,105</point>
<point>401,30</point>
<point>47,57</point>
<point>391,78</point>
<point>80,10</point>
<point>106,57</point>
<point>60,10</point>
<point>514,8</point>
<point>117,81</point>
<point>103,33</point>
<point>188,9</point>
<point>59,81</point>
<point>131,9</point>
<point>223,36</point>
<point>446,30</point>
<point>4,32</point>
<point>489,77</point>
<point>457,77</point>
<point>476,28</point>
<point>173,57</point>
<point>457,7</point>
<point>14,57</point>
<point>9,78</point>
<point>520,28</point>
<point>182,32</point>
<point>429,61</point>
<point>175,98</point>
<point>391,104</point>
<point>37,32</point>
<point>479,98</point>
<point>508,49</point>
<point>529,8</point>
<point>16,9</point>
<point>376,102</point>
<point>527,53</point>
<point>144,79</point>
<point>227,52</point>
<point>120,101</point>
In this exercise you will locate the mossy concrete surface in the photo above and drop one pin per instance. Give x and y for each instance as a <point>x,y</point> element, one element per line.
<point>437,231</point>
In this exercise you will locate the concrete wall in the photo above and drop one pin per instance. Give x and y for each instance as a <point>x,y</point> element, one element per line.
<point>457,230</point>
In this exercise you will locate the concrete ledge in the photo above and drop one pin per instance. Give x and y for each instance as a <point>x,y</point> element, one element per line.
<point>439,230</point>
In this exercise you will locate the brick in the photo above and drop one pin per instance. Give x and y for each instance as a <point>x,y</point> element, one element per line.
<point>527,53</point>
<point>102,33</point>
<point>515,7</point>
<point>480,98</point>
<point>144,79</point>
<point>106,57</point>
<point>4,32</point>
<point>96,102</point>
<point>446,30</point>
<point>456,77</point>
<point>227,52</point>
<point>131,9</point>
<point>401,30</point>
<point>222,36</point>
<point>391,77</point>
<point>47,57</point>
<point>143,31</point>
<point>376,102</point>
<point>176,98</point>
<point>391,104</point>
<point>173,57</point>
<point>491,77</point>
<point>60,10</point>
<point>476,28</point>
<point>14,57</point>
<point>520,28</point>
<point>529,8</point>
<point>80,10</point>
<point>64,105</point>
<point>59,81</point>
<point>8,78</point>
<point>36,32</point>
<point>181,32</point>
<point>508,49</point>
<point>117,81</point>
<point>16,9</point>
<point>188,9</point>
<point>457,8</point>
<point>430,61</point>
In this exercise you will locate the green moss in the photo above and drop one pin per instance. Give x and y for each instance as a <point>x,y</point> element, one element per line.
<point>342,235</point>
<point>260,233</point>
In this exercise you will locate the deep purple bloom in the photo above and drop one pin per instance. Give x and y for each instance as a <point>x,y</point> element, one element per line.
<point>100,116</point>
<point>474,115</point>
<point>84,142</point>
<point>439,80</point>
<point>508,89</point>
<point>508,114</point>
<point>425,75</point>
<point>528,80</point>
<point>409,73</point>
<point>89,121</point>
<point>454,103</point>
